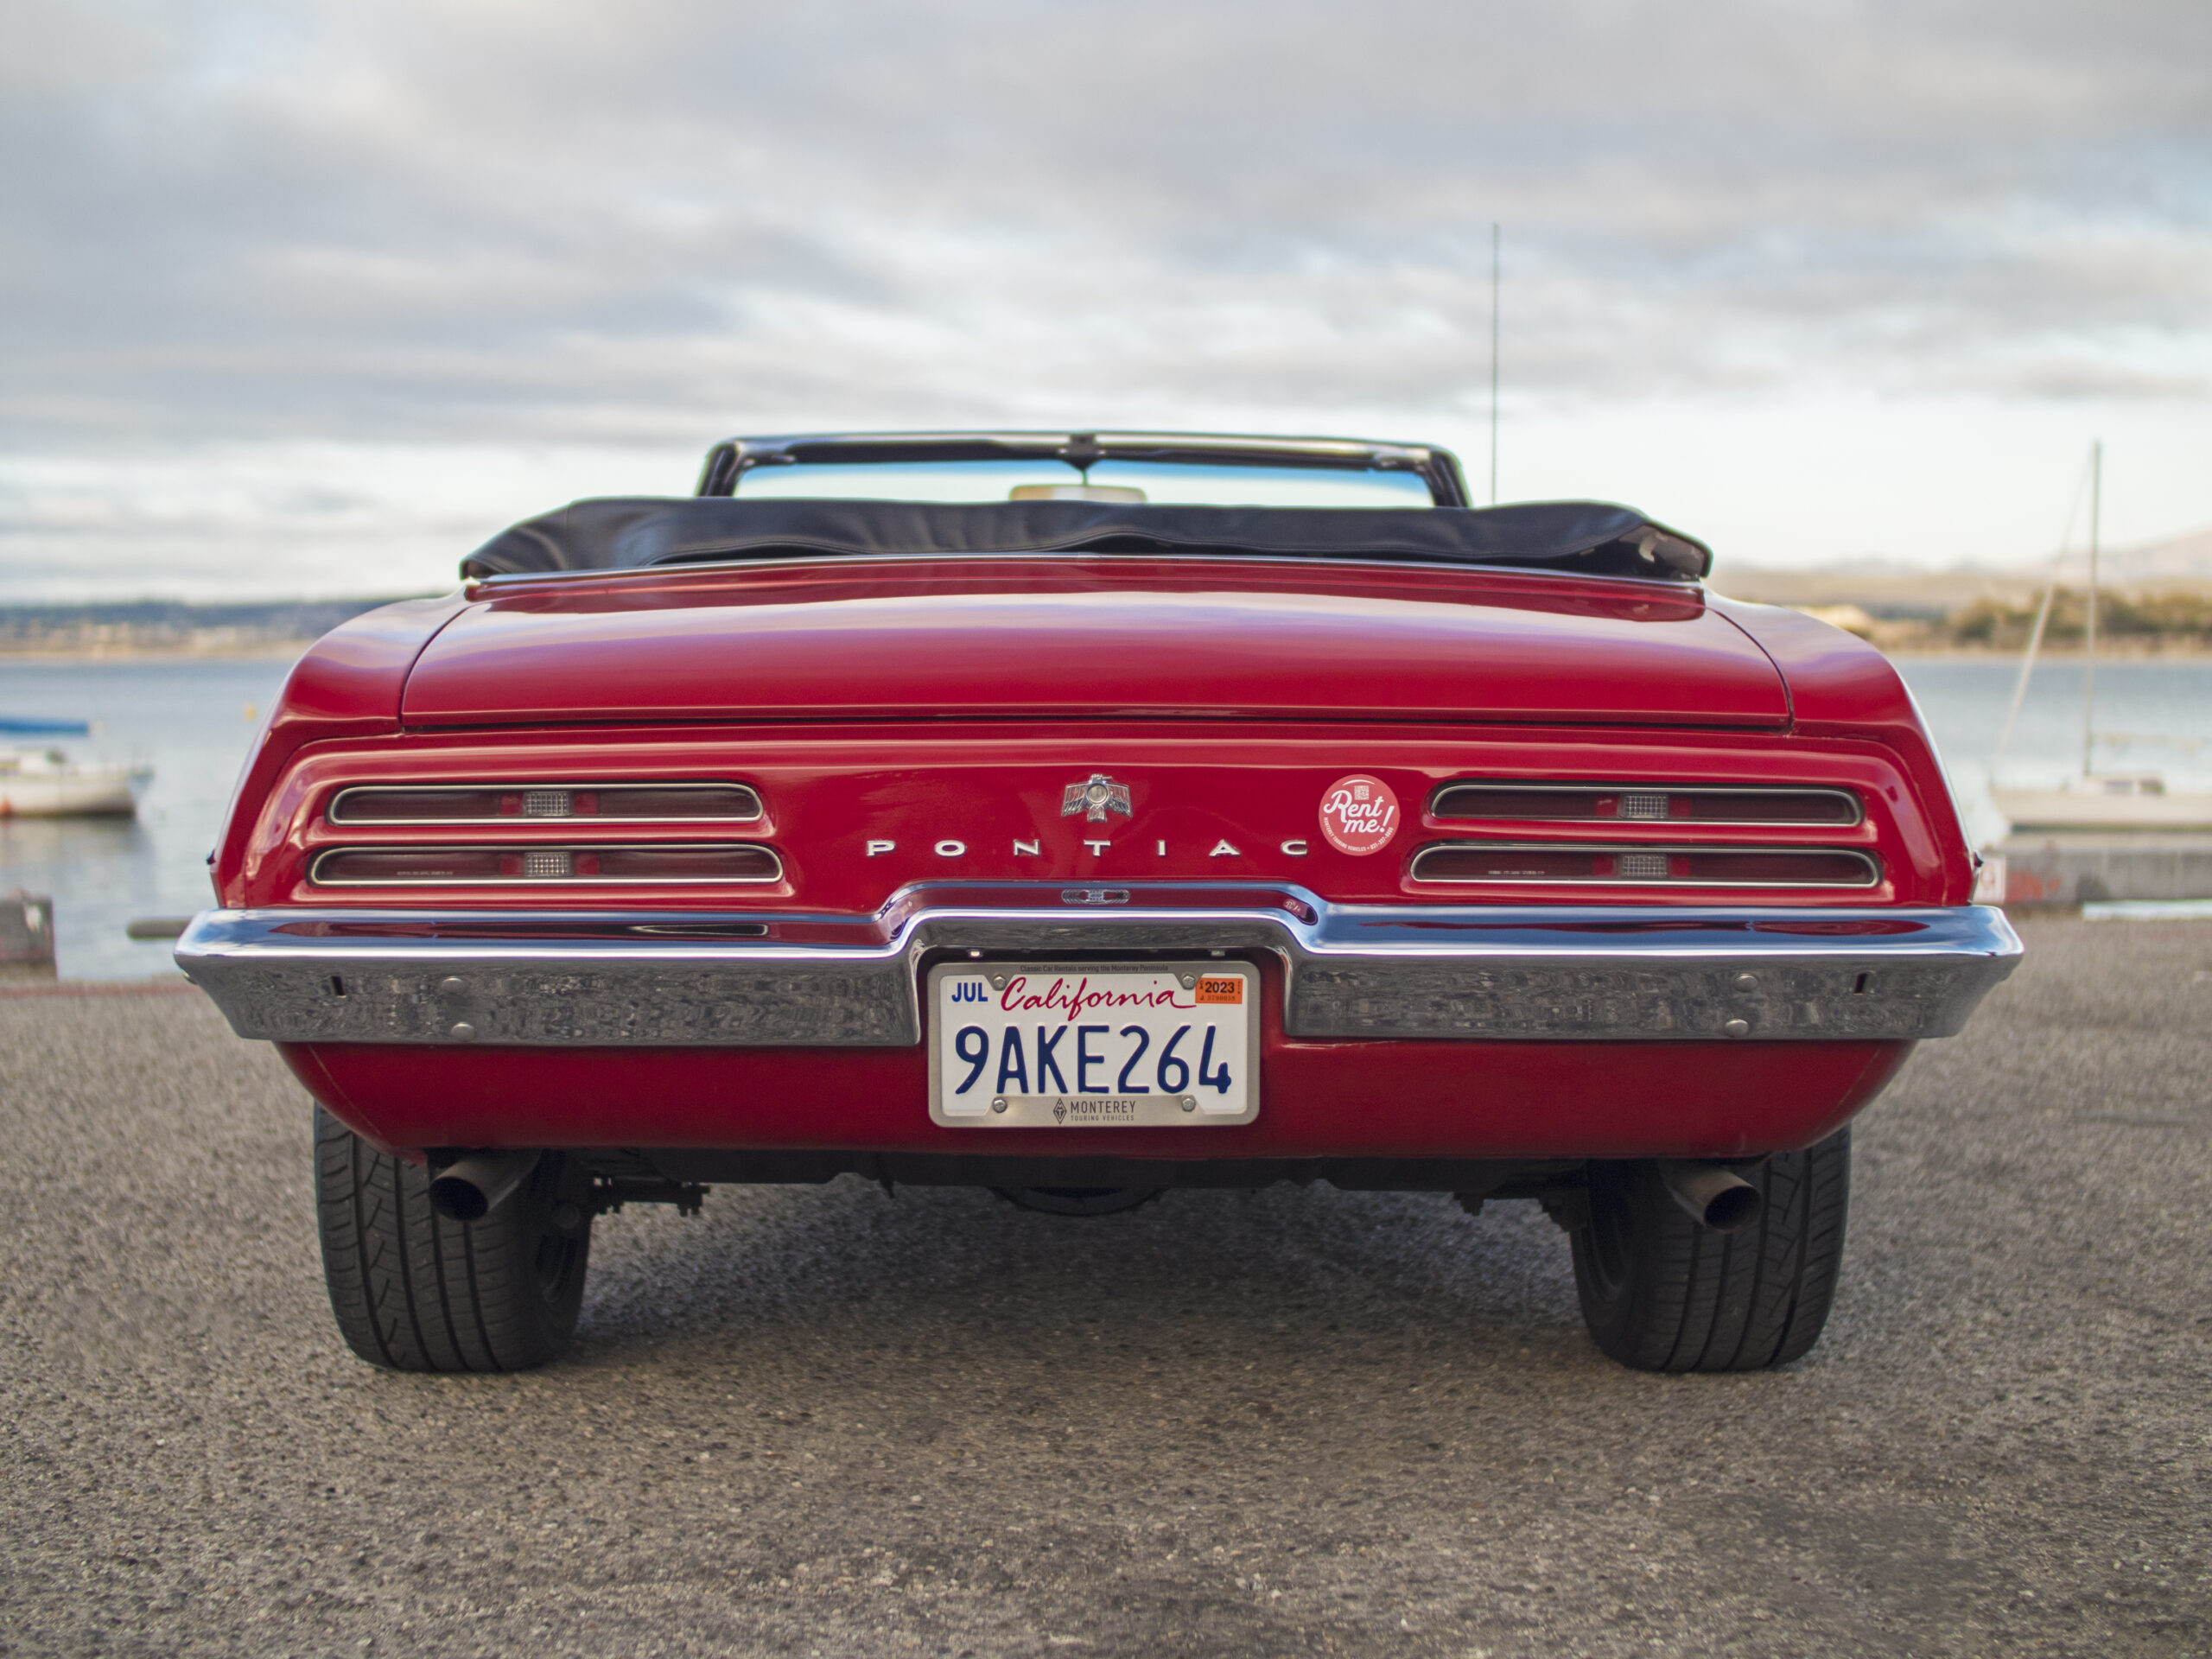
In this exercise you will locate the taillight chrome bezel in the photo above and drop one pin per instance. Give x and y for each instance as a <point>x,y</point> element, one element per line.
<point>542,853</point>
<point>1442,806</point>
<point>752,810</point>
<point>1637,873</point>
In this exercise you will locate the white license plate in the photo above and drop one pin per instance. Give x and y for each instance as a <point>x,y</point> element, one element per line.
<point>1055,1045</point>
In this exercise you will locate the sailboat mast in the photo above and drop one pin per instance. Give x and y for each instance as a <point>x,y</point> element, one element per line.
<point>2035,633</point>
<point>2089,638</point>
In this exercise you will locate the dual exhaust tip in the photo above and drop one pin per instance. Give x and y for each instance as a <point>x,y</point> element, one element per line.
<point>1713,1195</point>
<point>477,1184</point>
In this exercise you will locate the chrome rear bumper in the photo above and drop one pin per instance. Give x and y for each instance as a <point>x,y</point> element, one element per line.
<point>1595,973</point>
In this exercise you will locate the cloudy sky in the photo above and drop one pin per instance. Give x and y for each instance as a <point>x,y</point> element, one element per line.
<point>310,298</point>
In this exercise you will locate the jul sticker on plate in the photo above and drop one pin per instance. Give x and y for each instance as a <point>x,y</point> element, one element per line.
<point>1359,814</point>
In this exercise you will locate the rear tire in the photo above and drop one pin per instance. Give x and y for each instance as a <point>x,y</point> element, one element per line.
<point>415,1292</point>
<point>1660,1293</point>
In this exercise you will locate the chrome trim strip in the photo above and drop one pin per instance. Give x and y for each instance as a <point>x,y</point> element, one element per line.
<point>315,877</point>
<point>330,812</point>
<point>1552,973</point>
<point>1443,792</point>
<point>729,460</point>
<point>1871,865</point>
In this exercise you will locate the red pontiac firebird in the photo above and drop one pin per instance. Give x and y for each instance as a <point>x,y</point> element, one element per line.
<point>1081,815</point>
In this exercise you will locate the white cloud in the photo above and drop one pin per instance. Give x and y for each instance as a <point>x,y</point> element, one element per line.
<point>403,255</point>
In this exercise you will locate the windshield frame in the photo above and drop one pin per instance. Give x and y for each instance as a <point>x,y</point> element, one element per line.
<point>729,460</point>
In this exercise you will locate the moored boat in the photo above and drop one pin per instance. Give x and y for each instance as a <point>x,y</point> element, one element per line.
<point>2089,799</point>
<point>45,727</point>
<point>47,784</point>
<point>2105,801</point>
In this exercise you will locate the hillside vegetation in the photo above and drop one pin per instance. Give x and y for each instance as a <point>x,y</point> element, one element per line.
<point>2179,618</point>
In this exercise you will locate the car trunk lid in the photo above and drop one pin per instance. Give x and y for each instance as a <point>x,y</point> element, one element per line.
<point>1064,640</point>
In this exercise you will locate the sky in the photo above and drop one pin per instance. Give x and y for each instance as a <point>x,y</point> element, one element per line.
<point>309,299</point>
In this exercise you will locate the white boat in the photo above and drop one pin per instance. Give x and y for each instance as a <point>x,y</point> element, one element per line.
<point>2090,799</point>
<point>2105,800</point>
<point>47,784</point>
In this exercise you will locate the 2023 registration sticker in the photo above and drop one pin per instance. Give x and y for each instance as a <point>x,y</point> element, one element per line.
<point>1121,1046</point>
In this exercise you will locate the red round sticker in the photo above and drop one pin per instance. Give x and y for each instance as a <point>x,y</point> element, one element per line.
<point>1359,814</point>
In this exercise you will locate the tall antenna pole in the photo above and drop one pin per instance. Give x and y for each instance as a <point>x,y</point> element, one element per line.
<point>2089,639</point>
<point>1493,362</point>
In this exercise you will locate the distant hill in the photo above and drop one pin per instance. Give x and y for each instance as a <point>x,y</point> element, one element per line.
<point>2179,561</point>
<point>1884,590</point>
<point>160,626</point>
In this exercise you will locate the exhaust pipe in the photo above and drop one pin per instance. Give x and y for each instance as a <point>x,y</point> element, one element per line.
<point>479,1183</point>
<point>1714,1195</point>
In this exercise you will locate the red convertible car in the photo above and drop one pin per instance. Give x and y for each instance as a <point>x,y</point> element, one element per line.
<point>1082,815</point>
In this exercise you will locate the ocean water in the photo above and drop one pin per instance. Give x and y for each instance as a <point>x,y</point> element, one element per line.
<point>194,719</point>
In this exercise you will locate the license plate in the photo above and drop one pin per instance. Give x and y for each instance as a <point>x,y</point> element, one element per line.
<point>1057,1046</point>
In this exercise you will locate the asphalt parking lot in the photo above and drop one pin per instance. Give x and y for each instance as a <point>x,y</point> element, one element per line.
<point>825,1420</point>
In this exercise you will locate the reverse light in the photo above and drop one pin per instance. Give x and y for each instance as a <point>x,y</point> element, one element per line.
<point>510,803</point>
<point>1644,804</point>
<point>1508,863</point>
<point>473,866</point>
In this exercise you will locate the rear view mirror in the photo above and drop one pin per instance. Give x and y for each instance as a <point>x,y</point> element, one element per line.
<point>1122,493</point>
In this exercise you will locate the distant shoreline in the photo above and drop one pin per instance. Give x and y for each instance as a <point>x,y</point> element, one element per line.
<point>172,631</point>
<point>2174,653</point>
<point>271,651</point>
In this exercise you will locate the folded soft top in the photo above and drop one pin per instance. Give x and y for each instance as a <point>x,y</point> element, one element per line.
<point>623,533</point>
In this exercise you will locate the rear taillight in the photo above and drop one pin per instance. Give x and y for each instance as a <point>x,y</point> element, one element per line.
<point>1510,863</point>
<point>546,803</point>
<point>447,867</point>
<point>1643,803</point>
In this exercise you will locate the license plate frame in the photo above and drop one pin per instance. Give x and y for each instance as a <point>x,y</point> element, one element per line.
<point>1146,1103</point>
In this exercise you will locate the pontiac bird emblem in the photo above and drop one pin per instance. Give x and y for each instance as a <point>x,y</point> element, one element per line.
<point>1096,799</point>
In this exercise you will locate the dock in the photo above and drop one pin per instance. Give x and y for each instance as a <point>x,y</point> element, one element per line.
<point>2051,869</point>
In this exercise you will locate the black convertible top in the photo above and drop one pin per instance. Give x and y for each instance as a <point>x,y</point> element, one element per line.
<point>624,533</point>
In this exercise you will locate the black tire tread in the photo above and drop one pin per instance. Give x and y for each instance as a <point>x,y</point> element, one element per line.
<point>413,1291</point>
<point>1694,1299</point>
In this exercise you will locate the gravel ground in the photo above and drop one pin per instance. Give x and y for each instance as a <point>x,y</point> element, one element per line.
<point>823,1421</point>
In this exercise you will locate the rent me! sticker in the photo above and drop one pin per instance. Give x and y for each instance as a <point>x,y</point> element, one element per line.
<point>1359,814</point>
